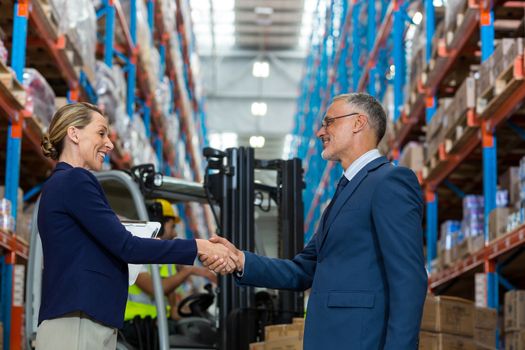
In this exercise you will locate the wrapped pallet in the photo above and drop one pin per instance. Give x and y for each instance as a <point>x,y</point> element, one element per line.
<point>40,96</point>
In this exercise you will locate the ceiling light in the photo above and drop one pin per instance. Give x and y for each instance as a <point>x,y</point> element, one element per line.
<point>261,69</point>
<point>223,140</point>
<point>418,17</point>
<point>263,11</point>
<point>259,108</point>
<point>257,141</point>
<point>437,3</point>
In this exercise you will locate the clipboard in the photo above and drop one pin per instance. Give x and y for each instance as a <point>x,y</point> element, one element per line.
<point>142,229</point>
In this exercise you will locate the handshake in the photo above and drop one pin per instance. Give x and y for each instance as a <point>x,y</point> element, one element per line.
<point>219,255</point>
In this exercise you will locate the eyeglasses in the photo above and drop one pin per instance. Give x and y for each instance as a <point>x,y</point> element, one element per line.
<point>327,121</point>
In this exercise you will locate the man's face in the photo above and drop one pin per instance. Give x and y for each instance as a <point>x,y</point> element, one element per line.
<point>336,134</point>
<point>169,229</point>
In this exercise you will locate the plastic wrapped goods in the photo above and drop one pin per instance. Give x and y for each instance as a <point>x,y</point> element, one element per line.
<point>522,181</point>
<point>163,96</point>
<point>40,96</point>
<point>473,223</point>
<point>106,88</point>
<point>78,20</point>
<point>3,53</point>
<point>7,223</point>
<point>449,233</point>
<point>5,206</point>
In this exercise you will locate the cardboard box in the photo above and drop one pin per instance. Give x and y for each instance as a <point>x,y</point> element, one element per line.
<point>464,99</point>
<point>298,320</point>
<point>440,341</point>
<point>475,244</point>
<point>412,156</point>
<point>485,337</point>
<point>294,330</point>
<point>274,331</point>
<point>480,291</point>
<point>510,180</point>
<point>515,341</point>
<point>284,343</point>
<point>485,318</point>
<point>514,310</point>
<point>257,346</point>
<point>498,222</point>
<point>444,314</point>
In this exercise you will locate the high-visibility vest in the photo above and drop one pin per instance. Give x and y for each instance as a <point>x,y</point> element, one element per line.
<point>141,303</point>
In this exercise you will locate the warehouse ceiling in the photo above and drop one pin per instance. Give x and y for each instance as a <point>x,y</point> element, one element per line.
<point>235,36</point>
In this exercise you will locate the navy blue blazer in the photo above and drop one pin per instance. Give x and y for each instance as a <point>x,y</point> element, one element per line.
<point>365,265</point>
<point>87,249</point>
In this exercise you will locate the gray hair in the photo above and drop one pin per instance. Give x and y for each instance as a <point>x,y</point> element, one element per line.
<point>370,106</point>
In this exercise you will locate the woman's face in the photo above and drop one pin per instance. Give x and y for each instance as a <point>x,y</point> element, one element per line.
<point>94,143</point>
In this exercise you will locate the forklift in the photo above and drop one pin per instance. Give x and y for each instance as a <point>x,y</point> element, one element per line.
<point>233,196</point>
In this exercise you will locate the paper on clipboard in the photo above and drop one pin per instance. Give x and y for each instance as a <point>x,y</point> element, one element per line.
<point>142,229</point>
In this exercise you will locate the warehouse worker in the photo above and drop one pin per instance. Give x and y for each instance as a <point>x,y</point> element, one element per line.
<point>365,263</point>
<point>139,327</point>
<point>86,248</point>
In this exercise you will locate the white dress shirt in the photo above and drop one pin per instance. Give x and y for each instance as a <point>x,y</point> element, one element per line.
<point>360,163</point>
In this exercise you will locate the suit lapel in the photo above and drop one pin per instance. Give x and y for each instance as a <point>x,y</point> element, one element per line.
<point>345,196</point>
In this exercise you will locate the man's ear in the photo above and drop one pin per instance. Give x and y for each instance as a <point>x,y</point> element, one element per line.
<point>72,134</point>
<point>360,122</point>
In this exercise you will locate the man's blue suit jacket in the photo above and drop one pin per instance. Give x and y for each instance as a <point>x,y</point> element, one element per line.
<point>87,249</point>
<point>365,265</point>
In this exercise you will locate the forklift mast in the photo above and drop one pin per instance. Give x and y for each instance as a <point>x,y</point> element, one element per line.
<point>229,183</point>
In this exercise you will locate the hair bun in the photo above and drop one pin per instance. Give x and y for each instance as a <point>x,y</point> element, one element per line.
<point>48,148</point>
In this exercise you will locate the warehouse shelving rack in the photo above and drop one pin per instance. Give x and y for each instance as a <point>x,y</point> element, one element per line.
<point>351,54</point>
<point>31,30</point>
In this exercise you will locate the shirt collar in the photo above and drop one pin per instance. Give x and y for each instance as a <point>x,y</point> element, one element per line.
<point>361,162</point>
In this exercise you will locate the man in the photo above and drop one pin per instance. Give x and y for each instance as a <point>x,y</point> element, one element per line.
<point>139,329</point>
<point>365,264</point>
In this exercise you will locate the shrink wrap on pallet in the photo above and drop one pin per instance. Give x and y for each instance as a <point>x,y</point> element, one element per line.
<point>40,96</point>
<point>78,20</point>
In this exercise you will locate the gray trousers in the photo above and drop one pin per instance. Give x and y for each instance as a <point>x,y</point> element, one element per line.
<point>75,331</point>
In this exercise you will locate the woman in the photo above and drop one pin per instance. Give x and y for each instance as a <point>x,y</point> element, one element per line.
<point>86,248</point>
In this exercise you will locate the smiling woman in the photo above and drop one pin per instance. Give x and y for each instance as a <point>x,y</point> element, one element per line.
<point>85,246</point>
<point>78,135</point>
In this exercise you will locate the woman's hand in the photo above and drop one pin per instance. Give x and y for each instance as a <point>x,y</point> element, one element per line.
<point>225,261</point>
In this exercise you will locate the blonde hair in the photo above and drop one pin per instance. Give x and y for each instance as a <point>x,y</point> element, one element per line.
<point>75,114</point>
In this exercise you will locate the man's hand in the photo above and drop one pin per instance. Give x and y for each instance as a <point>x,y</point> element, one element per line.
<point>222,258</point>
<point>213,265</point>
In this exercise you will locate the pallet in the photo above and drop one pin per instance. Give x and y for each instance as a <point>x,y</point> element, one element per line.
<point>459,133</point>
<point>11,87</point>
<point>468,11</point>
<point>43,10</point>
<point>505,84</point>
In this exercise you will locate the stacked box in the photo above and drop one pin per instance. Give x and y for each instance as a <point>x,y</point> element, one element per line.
<point>412,156</point>
<point>515,341</point>
<point>436,129</point>
<point>447,323</point>
<point>464,100</point>
<point>510,181</point>
<point>8,223</point>
<point>485,326</point>
<point>449,231</point>
<point>498,222</point>
<point>450,315</point>
<point>282,337</point>
<point>514,320</point>
<point>521,182</point>
<point>436,341</point>
<point>473,216</point>
<point>505,53</point>
<point>502,198</point>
